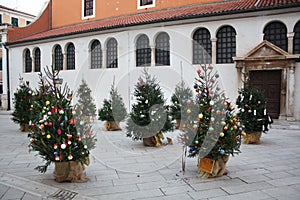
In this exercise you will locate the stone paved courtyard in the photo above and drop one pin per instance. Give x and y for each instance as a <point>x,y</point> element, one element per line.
<point>124,169</point>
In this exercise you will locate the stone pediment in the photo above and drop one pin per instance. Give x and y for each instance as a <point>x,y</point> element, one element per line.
<point>266,51</point>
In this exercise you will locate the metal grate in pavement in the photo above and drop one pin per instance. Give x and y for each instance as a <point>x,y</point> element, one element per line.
<point>63,195</point>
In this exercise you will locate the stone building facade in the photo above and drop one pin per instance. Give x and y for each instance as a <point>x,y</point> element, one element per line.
<point>112,40</point>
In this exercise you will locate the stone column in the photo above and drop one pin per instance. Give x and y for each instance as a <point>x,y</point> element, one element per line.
<point>5,84</point>
<point>214,50</point>
<point>104,58</point>
<point>64,61</point>
<point>290,44</point>
<point>152,55</point>
<point>240,66</point>
<point>32,62</point>
<point>283,95</point>
<point>291,92</point>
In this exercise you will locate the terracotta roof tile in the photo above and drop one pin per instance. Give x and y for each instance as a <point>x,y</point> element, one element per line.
<point>227,7</point>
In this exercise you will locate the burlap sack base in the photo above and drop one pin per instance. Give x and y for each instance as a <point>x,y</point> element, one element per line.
<point>24,127</point>
<point>252,138</point>
<point>219,169</point>
<point>153,141</point>
<point>177,126</point>
<point>71,171</point>
<point>112,126</point>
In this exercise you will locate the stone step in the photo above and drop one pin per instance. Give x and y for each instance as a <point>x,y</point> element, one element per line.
<point>38,190</point>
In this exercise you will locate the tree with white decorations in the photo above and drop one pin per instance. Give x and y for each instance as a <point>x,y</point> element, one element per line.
<point>84,115</point>
<point>252,114</point>
<point>149,117</point>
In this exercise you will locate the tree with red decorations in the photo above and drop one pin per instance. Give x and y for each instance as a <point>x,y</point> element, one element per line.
<point>54,135</point>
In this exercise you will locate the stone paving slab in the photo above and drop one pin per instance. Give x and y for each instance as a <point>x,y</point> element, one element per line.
<point>124,169</point>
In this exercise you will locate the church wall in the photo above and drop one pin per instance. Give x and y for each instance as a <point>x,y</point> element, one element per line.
<point>249,34</point>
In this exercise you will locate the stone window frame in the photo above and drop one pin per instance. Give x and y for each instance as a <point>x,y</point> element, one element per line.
<point>112,53</point>
<point>144,4</point>
<point>226,44</point>
<point>143,51</point>
<point>58,57</point>
<point>162,49</point>
<point>71,60</point>
<point>86,15</point>
<point>276,33</point>
<point>202,46</point>
<point>96,55</point>
<point>37,59</point>
<point>27,61</point>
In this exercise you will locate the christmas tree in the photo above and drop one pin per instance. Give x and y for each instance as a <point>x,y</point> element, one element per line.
<point>252,111</point>
<point>179,101</point>
<point>54,135</point>
<point>85,107</point>
<point>113,110</point>
<point>150,116</point>
<point>210,129</point>
<point>23,98</point>
<point>84,115</point>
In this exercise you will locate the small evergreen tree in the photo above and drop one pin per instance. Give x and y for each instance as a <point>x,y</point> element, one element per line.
<point>149,115</point>
<point>84,115</point>
<point>252,109</point>
<point>54,135</point>
<point>179,101</point>
<point>22,100</point>
<point>85,107</point>
<point>113,109</point>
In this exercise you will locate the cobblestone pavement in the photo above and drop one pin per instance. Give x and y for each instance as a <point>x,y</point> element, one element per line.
<point>123,169</point>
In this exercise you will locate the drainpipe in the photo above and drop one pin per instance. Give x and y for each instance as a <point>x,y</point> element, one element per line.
<point>7,77</point>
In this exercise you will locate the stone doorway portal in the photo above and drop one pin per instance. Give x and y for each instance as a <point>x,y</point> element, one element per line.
<point>273,70</point>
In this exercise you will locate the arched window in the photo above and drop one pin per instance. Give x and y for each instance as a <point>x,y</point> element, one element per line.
<point>37,60</point>
<point>162,49</point>
<point>143,51</point>
<point>28,61</point>
<point>58,58</point>
<point>226,44</point>
<point>276,33</point>
<point>71,56</point>
<point>201,46</point>
<point>96,55</point>
<point>296,45</point>
<point>112,53</point>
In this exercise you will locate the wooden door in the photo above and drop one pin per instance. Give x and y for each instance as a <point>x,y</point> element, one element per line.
<point>269,82</point>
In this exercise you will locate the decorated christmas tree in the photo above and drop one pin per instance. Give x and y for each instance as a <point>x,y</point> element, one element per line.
<point>211,130</point>
<point>85,111</point>
<point>85,107</point>
<point>22,100</point>
<point>54,135</point>
<point>113,110</point>
<point>149,117</point>
<point>252,113</point>
<point>179,101</point>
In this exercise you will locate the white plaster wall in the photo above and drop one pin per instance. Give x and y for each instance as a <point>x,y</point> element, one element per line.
<point>249,34</point>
